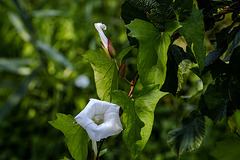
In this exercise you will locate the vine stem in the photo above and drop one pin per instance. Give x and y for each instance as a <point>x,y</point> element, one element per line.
<point>99,148</point>
<point>132,84</point>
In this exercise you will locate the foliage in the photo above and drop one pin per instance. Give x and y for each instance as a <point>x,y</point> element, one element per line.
<point>155,80</point>
<point>190,136</point>
<point>76,136</point>
<point>105,73</point>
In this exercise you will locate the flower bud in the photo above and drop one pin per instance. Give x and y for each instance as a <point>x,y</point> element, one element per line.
<point>111,49</point>
<point>105,42</point>
<point>122,70</point>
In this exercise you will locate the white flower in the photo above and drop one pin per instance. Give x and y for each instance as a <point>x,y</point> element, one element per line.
<point>106,43</point>
<point>100,119</point>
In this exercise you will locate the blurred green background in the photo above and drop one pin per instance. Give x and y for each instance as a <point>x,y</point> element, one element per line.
<point>41,43</point>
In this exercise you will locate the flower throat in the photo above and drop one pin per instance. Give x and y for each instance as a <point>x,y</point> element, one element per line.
<point>98,119</point>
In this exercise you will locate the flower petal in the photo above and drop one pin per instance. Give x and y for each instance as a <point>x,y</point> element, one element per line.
<point>111,125</point>
<point>100,27</point>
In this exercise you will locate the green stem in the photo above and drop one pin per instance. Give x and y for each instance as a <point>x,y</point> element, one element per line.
<point>117,63</point>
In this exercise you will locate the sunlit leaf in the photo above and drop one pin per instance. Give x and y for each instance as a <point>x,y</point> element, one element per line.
<point>77,138</point>
<point>123,53</point>
<point>193,31</point>
<point>236,122</point>
<point>153,47</point>
<point>131,122</point>
<point>232,125</point>
<point>189,137</point>
<point>105,73</point>
<point>138,116</point>
<point>145,104</point>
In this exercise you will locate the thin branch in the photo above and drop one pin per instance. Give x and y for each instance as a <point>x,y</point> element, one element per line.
<point>133,84</point>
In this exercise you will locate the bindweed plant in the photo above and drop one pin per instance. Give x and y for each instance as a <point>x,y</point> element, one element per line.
<point>154,28</point>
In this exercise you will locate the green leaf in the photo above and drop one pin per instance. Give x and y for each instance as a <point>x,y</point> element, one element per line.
<point>232,125</point>
<point>156,12</point>
<point>193,31</point>
<point>135,9</point>
<point>153,47</point>
<point>175,56</point>
<point>182,9</point>
<point>102,152</point>
<point>226,35</point>
<point>227,149</point>
<point>138,116</point>
<point>161,14</point>
<point>215,100</point>
<point>18,94</point>
<point>215,95</point>
<point>123,53</point>
<point>77,138</point>
<point>210,8</point>
<point>105,73</point>
<point>145,104</point>
<point>236,119</point>
<point>189,137</point>
<point>131,122</point>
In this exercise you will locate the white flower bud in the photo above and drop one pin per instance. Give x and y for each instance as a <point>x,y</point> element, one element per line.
<point>100,27</point>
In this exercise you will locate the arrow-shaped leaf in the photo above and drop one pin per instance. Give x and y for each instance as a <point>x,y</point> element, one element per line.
<point>105,73</point>
<point>77,138</point>
<point>153,47</point>
<point>138,116</point>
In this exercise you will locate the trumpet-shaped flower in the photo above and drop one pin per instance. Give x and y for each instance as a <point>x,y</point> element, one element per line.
<point>106,43</point>
<point>100,119</point>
